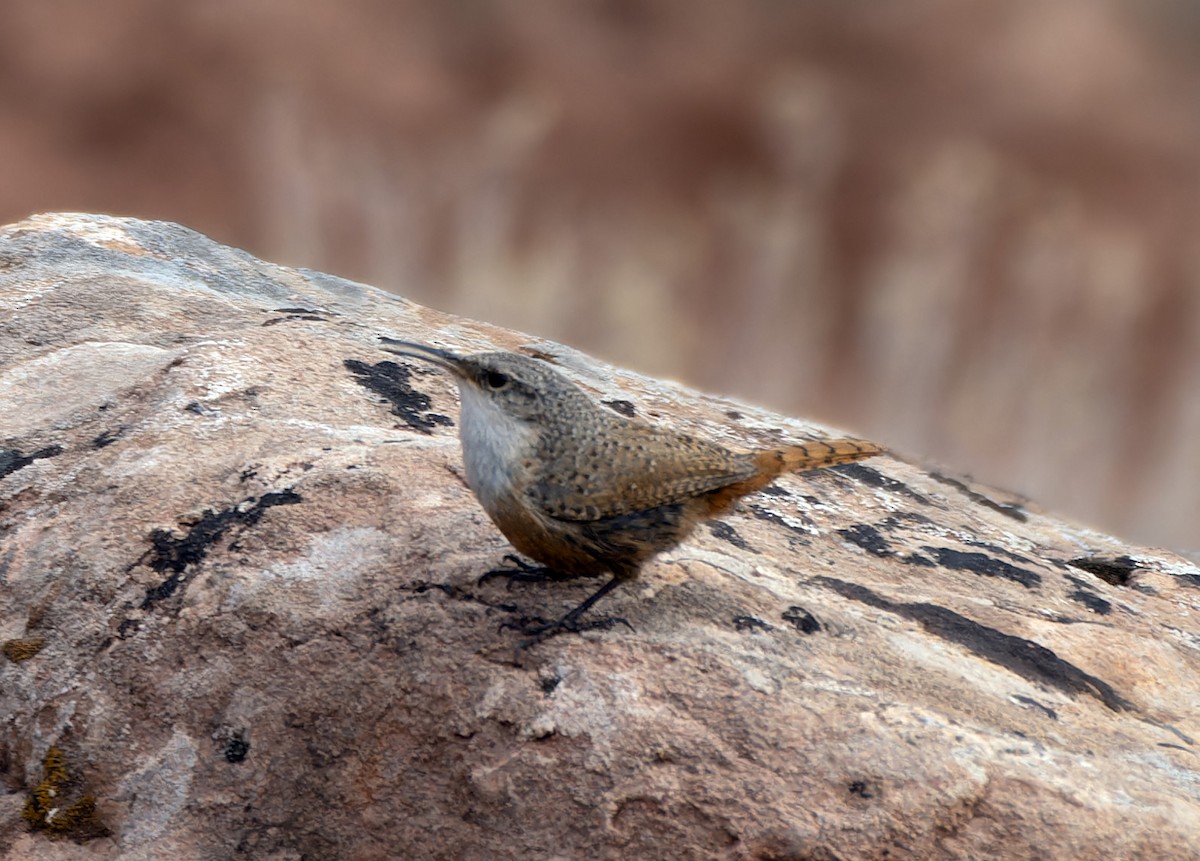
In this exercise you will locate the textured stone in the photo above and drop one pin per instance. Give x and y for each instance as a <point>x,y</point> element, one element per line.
<point>241,534</point>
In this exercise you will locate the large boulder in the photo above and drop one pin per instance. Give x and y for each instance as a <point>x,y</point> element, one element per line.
<point>240,614</point>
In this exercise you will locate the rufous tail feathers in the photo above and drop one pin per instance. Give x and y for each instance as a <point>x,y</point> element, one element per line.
<point>793,458</point>
<point>814,455</point>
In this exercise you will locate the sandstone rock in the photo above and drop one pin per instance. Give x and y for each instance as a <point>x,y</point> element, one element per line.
<point>240,535</point>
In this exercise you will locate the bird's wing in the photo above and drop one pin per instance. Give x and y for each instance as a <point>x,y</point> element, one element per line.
<point>609,475</point>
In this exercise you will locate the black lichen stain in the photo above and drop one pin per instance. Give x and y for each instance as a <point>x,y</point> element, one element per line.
<point>127,628</point>
<point>173,554</point>
<point>874,478</point>
<point>1114,572</point>
<point>802,620</point>
<point>108,437</point>
<point>1085,596</point>
<point>289,317</point>
<point>721,529</point>
<point>197,408</point>
<point>11,459</point>
<point>1032,703</point>
<point>868,538</point>
<point>1026,658</point>
<point>1000,551</point>
<point>391,381</point>
<point>750,623</point>
<point>776,490</point>
<point>60,804</point>
<point>625,408</point>
<point>297,314</point>
<point>861,789</point>
<point>236,748</point>
<point>904,519</point>
<point>1175,731</point>
<point>1005,508</point>
<point>21,650</point>
<point>980,563</point>
<point>771,517</point>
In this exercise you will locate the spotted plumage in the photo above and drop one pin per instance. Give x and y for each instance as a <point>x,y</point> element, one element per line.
<point>585,490</point>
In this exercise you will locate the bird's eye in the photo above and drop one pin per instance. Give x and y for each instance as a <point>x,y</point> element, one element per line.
<point>495,380</point>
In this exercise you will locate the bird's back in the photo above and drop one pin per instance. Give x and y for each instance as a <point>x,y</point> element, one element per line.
<point>617,467</point>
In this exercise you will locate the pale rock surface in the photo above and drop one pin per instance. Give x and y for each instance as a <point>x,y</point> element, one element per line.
<point>239,533</point>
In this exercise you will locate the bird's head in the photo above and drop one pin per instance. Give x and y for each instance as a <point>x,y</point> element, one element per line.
<point>506,385</point>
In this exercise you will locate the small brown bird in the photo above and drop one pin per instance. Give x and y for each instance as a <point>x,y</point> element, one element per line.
<point>586,491</point>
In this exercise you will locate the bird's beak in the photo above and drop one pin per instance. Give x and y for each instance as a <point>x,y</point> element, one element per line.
<point>443,358</point>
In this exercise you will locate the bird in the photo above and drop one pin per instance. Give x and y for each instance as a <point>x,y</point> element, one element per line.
<point>584,490</point>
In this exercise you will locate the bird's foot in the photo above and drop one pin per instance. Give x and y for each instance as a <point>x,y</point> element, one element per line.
<point>538,630</point>
<point>523,572</point>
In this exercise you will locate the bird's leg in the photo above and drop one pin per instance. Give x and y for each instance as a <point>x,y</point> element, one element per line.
<point>523,572</point>
<point>570,622</point>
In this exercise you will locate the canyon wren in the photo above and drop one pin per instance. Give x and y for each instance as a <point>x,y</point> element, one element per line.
<point>586,491</point>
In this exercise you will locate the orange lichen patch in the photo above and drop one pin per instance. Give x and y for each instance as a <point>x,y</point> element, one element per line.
<point>108,236</point>
<point>22,650</point>
<point>59,804</point>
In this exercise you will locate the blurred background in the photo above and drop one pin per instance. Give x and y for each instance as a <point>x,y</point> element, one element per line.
<point>965,229</point>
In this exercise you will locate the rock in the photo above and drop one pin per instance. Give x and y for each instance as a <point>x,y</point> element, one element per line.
<point>239,534</point>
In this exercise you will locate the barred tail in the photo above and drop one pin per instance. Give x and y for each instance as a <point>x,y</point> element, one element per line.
<point>814,455</point>
<point>795,458</point>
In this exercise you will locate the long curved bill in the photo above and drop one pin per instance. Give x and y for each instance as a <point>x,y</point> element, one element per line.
<point>414,350</point>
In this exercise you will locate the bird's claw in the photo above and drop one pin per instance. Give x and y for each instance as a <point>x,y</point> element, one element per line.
<point>523,572</point>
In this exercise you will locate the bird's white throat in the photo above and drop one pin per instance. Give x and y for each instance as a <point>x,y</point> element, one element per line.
<point>493,443</point>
